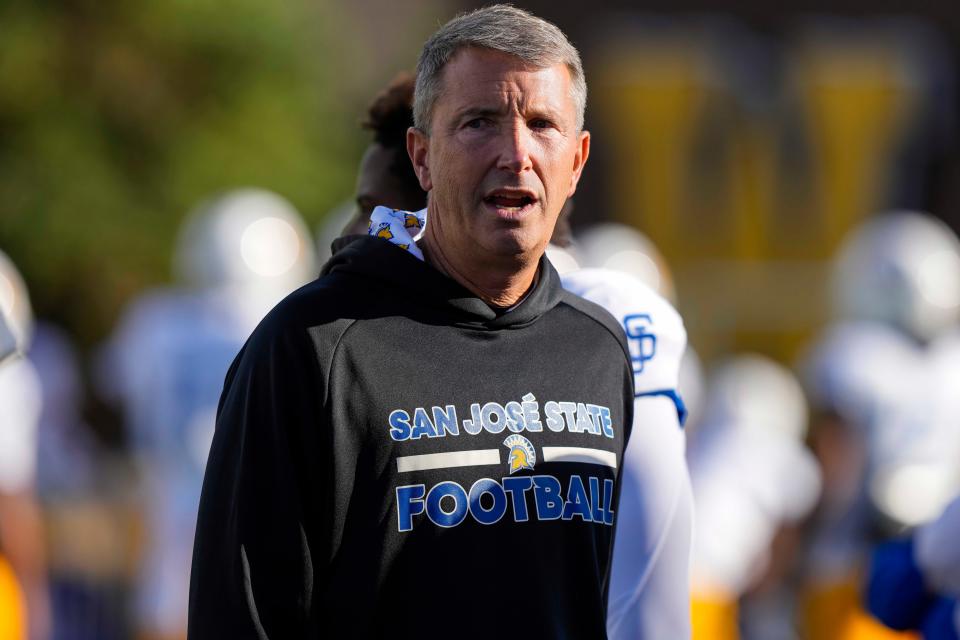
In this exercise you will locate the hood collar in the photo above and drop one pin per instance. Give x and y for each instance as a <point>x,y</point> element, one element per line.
<point>427,287</point>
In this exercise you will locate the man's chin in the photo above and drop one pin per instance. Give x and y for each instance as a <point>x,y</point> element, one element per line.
<point>514,245</point>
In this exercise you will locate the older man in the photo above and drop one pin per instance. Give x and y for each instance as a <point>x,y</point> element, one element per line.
<point>425,441</point>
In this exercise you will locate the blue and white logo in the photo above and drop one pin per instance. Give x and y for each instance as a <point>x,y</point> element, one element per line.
<point>643,343</point>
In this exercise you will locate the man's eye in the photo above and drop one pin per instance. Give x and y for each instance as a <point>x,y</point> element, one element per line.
<point>540,123</point>
<point>477,123</point>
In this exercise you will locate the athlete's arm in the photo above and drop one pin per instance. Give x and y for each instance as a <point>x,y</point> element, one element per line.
<point>650,586</point>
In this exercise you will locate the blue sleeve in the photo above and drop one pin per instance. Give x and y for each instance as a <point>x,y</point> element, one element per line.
<point>940,623</point>
<point>896,594</point>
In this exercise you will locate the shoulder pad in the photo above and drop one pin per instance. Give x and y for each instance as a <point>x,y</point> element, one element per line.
<point>654,330</point>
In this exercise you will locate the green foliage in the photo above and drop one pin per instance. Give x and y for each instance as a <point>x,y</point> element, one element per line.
<point>117,117</point>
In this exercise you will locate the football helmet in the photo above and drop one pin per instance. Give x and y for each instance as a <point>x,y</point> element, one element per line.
<point>619,247</point>
<point>247,238</point>
<point>901,268</point>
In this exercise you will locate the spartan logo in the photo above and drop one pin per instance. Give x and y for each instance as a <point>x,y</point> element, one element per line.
<point>522,454</point>
<point>383,231</point>
<point>410,221</point>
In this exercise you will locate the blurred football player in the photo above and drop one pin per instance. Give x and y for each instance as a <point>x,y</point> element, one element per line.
<point>752,475</point>
<point>887,428</point>
<point>24,600</point>
<point>237,255</point>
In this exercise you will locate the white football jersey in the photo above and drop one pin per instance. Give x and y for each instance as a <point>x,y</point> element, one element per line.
<point>649,587</point>
<point>900,397</point>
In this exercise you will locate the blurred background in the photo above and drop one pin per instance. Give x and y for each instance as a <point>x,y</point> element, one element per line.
<point>747,145</point>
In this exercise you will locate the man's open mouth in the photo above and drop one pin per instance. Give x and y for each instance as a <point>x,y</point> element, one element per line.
<point>509,201</point>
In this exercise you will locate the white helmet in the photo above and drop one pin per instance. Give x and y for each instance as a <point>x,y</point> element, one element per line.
<point>753,393</point>
<point>901,268</point>
<point>14,307</point>
<point>619,247</point>
<point>247,238</point>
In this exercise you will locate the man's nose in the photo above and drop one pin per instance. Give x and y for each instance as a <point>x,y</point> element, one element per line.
<point>515,149</point>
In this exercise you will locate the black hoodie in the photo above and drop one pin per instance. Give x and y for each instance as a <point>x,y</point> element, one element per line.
<point>394,458</point>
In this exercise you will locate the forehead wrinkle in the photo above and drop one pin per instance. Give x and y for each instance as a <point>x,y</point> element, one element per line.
<point>505,84</point>
<point>508,100</point>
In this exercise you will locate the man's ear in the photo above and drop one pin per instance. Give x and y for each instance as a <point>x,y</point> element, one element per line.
<point>579,160</point>
<point>418,147</point>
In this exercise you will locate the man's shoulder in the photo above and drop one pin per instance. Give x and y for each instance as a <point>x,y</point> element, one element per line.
<point>329,298</point>
<point>623,296</point>
<point>308,321</point>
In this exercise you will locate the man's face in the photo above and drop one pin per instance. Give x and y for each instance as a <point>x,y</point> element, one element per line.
<point>502,157</point>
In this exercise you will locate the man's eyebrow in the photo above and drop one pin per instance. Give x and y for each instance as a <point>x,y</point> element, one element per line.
<point>546,112</point>
<point>477,112</point>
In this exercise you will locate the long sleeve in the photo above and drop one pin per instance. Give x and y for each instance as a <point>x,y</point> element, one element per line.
<point>255,552</point>
<point>650,587</point>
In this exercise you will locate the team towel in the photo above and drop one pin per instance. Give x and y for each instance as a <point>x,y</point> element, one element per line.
<point>402,228</point>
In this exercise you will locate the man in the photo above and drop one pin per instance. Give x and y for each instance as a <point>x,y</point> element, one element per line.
<point>649,588</point>
<point>430,449</point>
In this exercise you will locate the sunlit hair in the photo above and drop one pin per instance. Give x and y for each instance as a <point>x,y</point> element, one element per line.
<point>502,28</point>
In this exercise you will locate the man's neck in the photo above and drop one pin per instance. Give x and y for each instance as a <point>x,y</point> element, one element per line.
<point>499,284</point>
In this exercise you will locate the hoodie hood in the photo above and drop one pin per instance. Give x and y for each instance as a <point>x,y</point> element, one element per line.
<point>378,259</point>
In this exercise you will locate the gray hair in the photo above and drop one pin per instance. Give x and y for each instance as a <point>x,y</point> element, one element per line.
<point>500,27</point>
